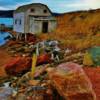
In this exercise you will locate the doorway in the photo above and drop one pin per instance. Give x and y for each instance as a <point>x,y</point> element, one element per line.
<point>45,27</point>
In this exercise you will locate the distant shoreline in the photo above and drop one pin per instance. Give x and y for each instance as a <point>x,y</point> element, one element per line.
<point>6,13</point>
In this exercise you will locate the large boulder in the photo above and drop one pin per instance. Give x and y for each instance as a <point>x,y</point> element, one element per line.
<point>21,65</point>
<point>71,82</point>
<point>18,65</point>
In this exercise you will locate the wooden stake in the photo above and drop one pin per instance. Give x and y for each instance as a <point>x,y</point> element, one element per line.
<point>34,60</point>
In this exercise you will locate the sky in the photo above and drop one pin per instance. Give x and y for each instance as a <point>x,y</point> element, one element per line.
<point>59,6</point>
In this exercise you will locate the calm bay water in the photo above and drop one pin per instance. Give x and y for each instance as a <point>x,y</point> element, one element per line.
<point>3,35</point>
<point>6,21</point>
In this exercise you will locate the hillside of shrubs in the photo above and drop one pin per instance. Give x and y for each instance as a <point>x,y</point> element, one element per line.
<point>77,30</point>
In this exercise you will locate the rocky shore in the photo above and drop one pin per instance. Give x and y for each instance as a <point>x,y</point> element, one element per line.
<point>52,79</point>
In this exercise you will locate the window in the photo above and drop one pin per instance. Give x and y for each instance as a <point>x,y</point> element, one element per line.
<point>45,11</point>
<point>32,10</point>
<point>15,21</point>
<point>19,22</point>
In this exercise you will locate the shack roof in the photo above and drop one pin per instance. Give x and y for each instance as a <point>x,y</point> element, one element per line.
<point>26,7</point>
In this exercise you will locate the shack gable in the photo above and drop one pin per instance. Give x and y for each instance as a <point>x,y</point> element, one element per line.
<point>39,10</point>
<point>35,9</point>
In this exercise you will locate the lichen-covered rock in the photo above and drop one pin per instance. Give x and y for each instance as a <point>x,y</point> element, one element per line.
<point>71,82</point>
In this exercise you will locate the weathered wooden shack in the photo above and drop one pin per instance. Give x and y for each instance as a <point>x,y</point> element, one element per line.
<point>34,18</point>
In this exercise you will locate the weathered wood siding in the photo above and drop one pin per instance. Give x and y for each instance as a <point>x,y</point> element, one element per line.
<point>37,25</point>
<point>19,22</point>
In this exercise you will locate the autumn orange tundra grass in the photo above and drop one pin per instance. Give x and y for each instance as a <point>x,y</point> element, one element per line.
<point>78,30</point>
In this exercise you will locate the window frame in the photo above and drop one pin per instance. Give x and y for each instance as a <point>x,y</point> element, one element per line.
<point>20,22</point>
<point>45,11</point>
<point>15,22</point>
<point>32,10</point>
